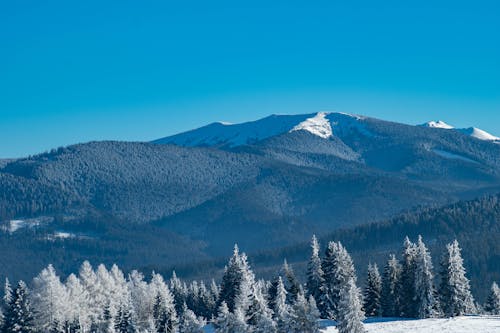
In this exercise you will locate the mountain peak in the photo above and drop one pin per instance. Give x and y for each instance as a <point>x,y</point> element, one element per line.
<point>437,124</point>
<point>318,125</point>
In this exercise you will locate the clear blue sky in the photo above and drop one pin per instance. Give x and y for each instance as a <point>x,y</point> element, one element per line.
<point>75,71</point>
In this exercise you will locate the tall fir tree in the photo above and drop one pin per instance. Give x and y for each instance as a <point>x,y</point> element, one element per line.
<point>281,308</point>
<point>390,280</point>
<point>291,282</point>
<point>231,280</point>
<point>338,269</point>
<point>492,305</point>
<point>315,277</point>
<point>455,294</point>
<point>373,291</point>
<point>406,288</point>
<point>350,313</point>
<point>425,293</point>
<point>19,315</point>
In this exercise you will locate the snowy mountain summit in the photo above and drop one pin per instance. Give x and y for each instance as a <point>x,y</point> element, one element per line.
<point>470,131</point>
<point>322,124</point>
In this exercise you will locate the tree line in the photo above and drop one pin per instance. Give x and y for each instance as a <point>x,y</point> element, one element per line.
<point>106,301</point>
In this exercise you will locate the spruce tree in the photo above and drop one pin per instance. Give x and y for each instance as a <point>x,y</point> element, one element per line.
<point>406,288</point>
<point>281,308</point>
<point>123,320</point>
<point>373,291</point>
<point>7,296</point>
<point>231,280</point>
<point>455,294</point>
<point>315,280</point>
<point>390,299</point>
<point>292,285</point>
<point>350,315</point>
<point>492,305</point>
<point>338,269</point>
<point>425,293</point>
<point>19,315</point>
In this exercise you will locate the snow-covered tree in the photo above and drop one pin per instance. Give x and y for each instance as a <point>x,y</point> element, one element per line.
<point>227,322</point>
<point>292,285</point>
<point>492,305</point>
<point>50,301</point>
<point>123,320</point>
<point>179,291</point>
<point>426,303</point>
<point>456,297</point>
<point>260,317</point>
<point>406,288</point>
<point>231,280</point>
<point>19,315</point>
<point>281,308</point>
<point>189,322</point>
<point>390,280</point>
<point>373,291</point>
<point>141,300</point>
<point>78,312</point>
<point>350,315</point>
<point>304,315</point>
<point>164,312</point>
<point>88,279</point>
<point>7,296</point>
<point>315,279</point>
<point>338,269</point>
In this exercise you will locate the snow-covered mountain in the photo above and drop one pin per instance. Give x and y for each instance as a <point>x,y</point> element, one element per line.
<point>321,124</point>
<point>470,131</point>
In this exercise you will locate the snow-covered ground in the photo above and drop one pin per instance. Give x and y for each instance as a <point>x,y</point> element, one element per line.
<point>473,324</point>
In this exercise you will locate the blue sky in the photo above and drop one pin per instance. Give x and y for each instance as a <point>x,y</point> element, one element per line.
<point>75,71</point>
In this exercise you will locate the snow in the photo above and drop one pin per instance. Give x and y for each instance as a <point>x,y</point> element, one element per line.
<point>12,226</point>
<point>437,124</point>
<point>473,324</point>
<point>479,134</point>
<point>449,155</point>
<point>317,125</point>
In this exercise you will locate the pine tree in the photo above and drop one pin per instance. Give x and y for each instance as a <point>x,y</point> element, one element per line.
<point>492,305</point>
<point>406,288</point>
<point>338,269</point>
<point>390,299</point>
<point>304,315</point>
<point>231,280</point>
<point>228,322</point>
<point>78,312</point>
<point>426,303</point>
<point>19,316</point>
<point>164,312</point>
<point>373,292</point>
<point>456,297</point>
<point>189,323</point>
<point>260,317</point>
<point>350,314</point>
<point>315,279</point>
<point>7,297</point>
<point>141,301</point>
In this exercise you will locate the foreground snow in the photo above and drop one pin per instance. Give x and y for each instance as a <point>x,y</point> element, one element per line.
<point>476,324</point>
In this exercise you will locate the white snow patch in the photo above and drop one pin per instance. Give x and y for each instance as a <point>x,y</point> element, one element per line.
<point>12,226</point>
<point>437,124</point>
<point>450,155</point>
<point>473,324</point>
<point>317,125</point>
<point>479,134</point>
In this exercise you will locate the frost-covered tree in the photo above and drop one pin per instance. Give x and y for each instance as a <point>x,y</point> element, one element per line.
<point>281,308</point>
<point>492,305</point>
<point>456,297</point>
<point>390,280</point>
<point>292,285</point>
<point>7,295</point>
<point>373,291</point>
<point>50,302</point>
<point>164,312</point>
<point>425,300</point>
<point>304,315</point>
<point>123,320</point>
<point>406,288</point>
<point>189,322</point>
<point>19,315</point>
<point>78,312</point>
<point>259,316</point>
<point>350,314</point>
<point>338,269</point>
<point>141,300</point>
<point>179,291</point>
<point>88,279</point>
<point>315,280</point>
<point>227,322</point>
<point>231,280</point>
